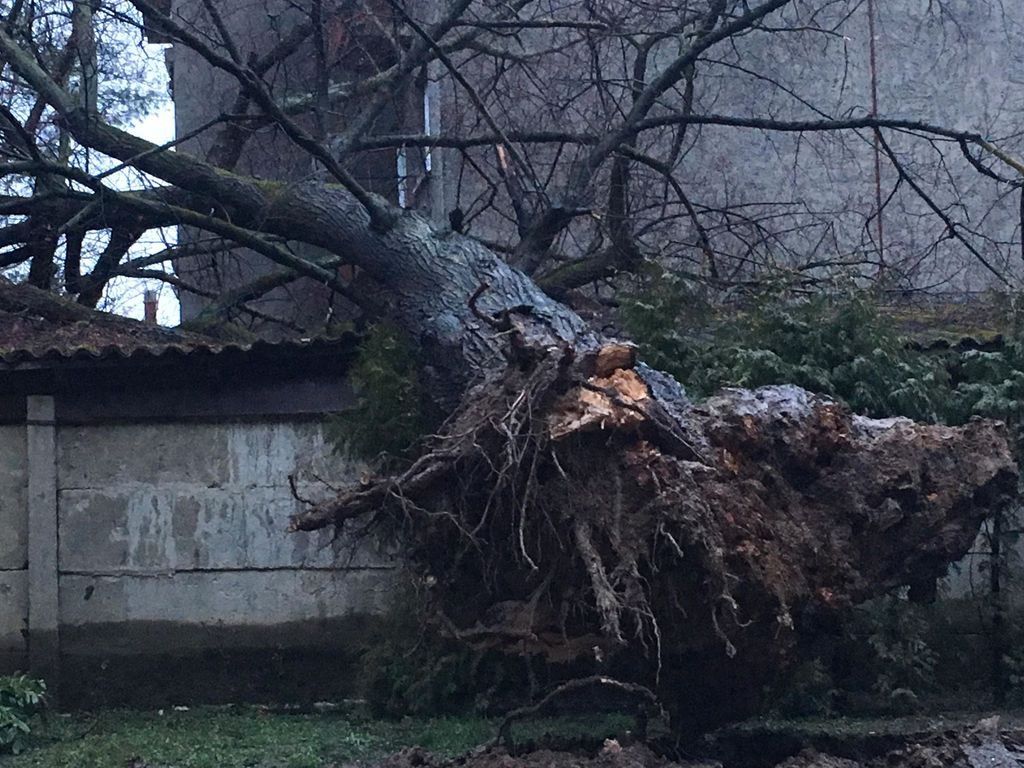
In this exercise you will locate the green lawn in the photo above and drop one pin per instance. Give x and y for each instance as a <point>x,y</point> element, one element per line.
<point>240,737</point>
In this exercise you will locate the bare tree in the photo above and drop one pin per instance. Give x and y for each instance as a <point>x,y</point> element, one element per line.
<point>575,503</point>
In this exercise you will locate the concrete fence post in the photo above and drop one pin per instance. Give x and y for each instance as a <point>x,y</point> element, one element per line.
<point>43,598</point>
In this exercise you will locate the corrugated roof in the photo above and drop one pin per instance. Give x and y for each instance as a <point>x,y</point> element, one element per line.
<point>39,328</point>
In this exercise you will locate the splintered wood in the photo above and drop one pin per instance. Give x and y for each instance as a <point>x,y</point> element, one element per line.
<point>616,401</point>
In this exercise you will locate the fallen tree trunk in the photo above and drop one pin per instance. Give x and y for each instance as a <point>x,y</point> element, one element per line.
<point>579,507</point>
<point>576,504</point>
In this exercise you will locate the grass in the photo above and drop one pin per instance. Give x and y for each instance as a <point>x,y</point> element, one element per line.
<point>243,737</point>
<point>248,737</point>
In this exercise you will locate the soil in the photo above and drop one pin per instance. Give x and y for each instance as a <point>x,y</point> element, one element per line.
<point>982,746</point>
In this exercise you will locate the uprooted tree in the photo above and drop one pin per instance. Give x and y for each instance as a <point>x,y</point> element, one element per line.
<point>575,504</point>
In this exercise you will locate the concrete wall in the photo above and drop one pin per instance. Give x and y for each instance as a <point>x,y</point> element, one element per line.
<point>185,524</point>
<point>970,578</point>
<point>955,64</point>
<point>801,198</point>
<point>13,546</point>
<point>171,540</point>
<point>201,93</point>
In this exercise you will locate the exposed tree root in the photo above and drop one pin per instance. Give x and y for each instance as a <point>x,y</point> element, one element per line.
<point>577,506</point>
<point>645,697</point>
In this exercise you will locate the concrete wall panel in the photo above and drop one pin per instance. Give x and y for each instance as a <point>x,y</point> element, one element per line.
<point>102,456</point>
<point>175,527</point>
<point>160,498</point>
<point>173,537</point>
<point>247,600</point>
<point>13,618</point>
<point>970,577</point>
<point>206,455</point>
<point>13,510</point>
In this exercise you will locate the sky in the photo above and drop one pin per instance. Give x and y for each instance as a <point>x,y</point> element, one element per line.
<point>125,296</point>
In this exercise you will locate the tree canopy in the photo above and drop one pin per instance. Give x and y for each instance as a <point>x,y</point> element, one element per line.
<point>574,141</point>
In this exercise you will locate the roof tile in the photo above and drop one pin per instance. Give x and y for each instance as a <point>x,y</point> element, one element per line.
<point>37,326</point>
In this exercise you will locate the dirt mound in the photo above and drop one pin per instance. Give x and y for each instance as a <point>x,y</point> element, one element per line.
<point>612,755</point>
<point>972,750</point>
<point>979,747</point>
<point>812,759</point>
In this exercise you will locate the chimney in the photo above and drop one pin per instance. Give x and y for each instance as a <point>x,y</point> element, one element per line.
<point>151,300</point>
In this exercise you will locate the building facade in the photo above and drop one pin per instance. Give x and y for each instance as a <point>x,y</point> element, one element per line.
<point>911,210</point>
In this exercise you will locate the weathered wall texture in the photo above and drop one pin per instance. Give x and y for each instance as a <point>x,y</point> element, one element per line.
<point>172,540</point>
<point>13,546</point>
<point>777,200</point>
<point>971,577</point>
<point>185,524</point>
<point>956,64</point>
